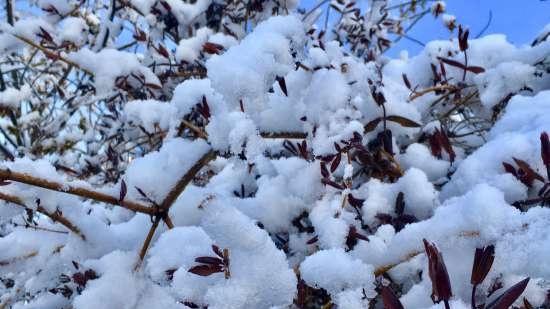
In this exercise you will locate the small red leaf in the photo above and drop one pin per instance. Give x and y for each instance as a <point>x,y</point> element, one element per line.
<point>335,163</point>
<point>282,84</point>
<point>205,270</point>
<point>209,260</point>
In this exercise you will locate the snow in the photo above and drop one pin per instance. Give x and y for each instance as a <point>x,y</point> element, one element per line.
<point>74,30</point>
<point>335,271</point>
<point>108,64</point>
<point>13,97</point>
<point>121,129</point>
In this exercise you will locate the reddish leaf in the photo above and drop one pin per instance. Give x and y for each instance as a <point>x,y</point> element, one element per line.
<point>441,285</point>
<point>390,300</point>
<point>123,191</point>
<point>331,183</point>
<point>335,163</point>
<point>446,143</point>
<point>217,251</point>
<point>463,38</point>
<point>212,48</point>
<point>205,270</point>
<point>506,299</point>
<point>406,81</point>
<point>355,202</point>
<point>400,203</point>
<point>545,148</point>
<point>163,52</point>
<point>79,279</point>
<point>475,69</point>
<point>313,240</point>
<point>209,260</point>
<point>369,127</point>
<point>453,63</point>
<point>405,122</point>
<point>526,173</point>
<point>324,171</point>
<point>483,260</point>
<point>282,84</point>
<point>509,168</point>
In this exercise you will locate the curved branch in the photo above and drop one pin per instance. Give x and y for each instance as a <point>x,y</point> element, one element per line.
<point>186,179</point>
<point>7,174</point>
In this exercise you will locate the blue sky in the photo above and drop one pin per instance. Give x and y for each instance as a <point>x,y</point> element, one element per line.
<point>520,20</point>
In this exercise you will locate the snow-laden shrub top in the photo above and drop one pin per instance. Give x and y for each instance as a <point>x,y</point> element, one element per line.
<point>172,154</point>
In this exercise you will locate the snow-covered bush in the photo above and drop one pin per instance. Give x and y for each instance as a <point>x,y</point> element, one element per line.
<point>239,154</point>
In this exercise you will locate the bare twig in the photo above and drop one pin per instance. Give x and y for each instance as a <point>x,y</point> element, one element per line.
<point>55,216</point>
<point>53,55</point>
<point>285,135</point>
<point>170,199</point>
<point>147,241</point>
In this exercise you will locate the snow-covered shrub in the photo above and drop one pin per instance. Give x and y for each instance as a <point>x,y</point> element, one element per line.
<point>237,154</point>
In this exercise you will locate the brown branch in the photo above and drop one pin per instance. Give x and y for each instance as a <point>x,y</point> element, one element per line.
<point>186,179</point>
<point>169,201</point>
<point>52,55</point>
<point>418,94</point>
<point>200,133</point>
<point>168,222</point>
<point>147,242</point>
<point>287,135</point>
<point>7,174</point>
<point>55,216</point>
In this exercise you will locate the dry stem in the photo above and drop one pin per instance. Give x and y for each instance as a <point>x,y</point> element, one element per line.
<point>53,55</point>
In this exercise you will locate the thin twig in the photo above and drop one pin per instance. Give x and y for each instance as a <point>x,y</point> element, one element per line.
<point>55,216</point>
<point>147,242</point>
<point>53,55</point>
<point>284,135</point>
<point>171,198</point>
